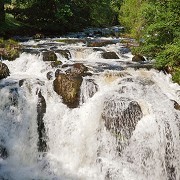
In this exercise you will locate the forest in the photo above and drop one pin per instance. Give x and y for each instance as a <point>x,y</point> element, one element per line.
<point>154,24</point>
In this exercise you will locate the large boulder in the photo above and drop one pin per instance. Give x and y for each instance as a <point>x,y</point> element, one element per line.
<point>121,116</point>
<point>138,58</point>
<point>49,56</point>
<point>4,71</point>
<point>68,86</point>
<point>110,55</point>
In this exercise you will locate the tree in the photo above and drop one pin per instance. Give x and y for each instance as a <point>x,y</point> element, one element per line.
<point>157,24</point>
<point>2,11</point>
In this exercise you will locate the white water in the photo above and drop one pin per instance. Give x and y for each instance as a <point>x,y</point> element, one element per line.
<point>79,145</point>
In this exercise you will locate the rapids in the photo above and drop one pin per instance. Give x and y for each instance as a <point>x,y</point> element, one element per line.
<point>89,142</point>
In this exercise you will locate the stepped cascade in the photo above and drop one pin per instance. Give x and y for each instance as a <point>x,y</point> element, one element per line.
<point>69,111</point>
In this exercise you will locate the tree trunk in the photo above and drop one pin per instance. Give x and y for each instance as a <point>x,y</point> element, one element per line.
<point>2,11</point>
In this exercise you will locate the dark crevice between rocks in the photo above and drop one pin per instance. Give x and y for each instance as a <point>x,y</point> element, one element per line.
<point>41,110</point>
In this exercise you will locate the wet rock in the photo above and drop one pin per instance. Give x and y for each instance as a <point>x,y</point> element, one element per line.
<point>176,105</point>
<point>4,71</point>
<point>125,50</point>
<point>110,55</point>
<point>121,116</point>
<point>57,72</point>
<point>49,75</point>
<point>49,56</point>
<point>56,64</point>
<point>41,110</point>
<point>64,53</point>
<point>88,89</point>
<point>3,152</point>
<point>138,58</point>
<point>14,96</point>
<point>66,65</point>
<point>68,86</point>
<point>31,51</point>
<point>98,43</point>
<point>77,69</point>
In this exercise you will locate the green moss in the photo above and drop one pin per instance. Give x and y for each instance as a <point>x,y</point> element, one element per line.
<point>10,49</point>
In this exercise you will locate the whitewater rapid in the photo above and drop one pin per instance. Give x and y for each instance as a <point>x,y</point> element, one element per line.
<point>79,144</point>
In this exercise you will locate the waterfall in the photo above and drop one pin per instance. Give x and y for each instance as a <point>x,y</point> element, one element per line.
<point>126,126</point>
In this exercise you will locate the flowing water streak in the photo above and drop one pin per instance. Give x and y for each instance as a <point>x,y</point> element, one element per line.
<point>80,146</point>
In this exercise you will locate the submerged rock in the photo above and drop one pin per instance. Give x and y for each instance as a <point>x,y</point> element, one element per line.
<point>4,71</point>
<point>65,53</point>
<point>49,75</point>
<point>3,152</point>
<point>49,56</point>
<point>121,116</point>
<point>88,89</point>
<point>110,55</point>
<point>41,110</point>
<point>176,105</point>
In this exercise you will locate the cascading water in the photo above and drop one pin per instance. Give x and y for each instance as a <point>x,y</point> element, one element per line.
<point>125,128</point>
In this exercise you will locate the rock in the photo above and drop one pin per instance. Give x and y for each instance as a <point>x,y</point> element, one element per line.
<point>14,96</point>
<point>176,105</point>
<point>31,51</point>
<point>138,58</point>
<point>49,56</point>
<point>49,75</point>
<point>56,64</point>
<point>38,36</point>
<point>64,53</point>
<point>4,71</point>
<point>68,86</point>
<point>88,89</point>
<point>3,152</point>
<point>41,110</point>
<point>121,116</point>
<point>110,55</point>
<point>99,43</point>
<point>77,69</point>
<point>125,50</point>
<point>58,71</point>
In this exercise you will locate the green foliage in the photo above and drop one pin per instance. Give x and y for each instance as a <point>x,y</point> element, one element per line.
<point>156,25</point>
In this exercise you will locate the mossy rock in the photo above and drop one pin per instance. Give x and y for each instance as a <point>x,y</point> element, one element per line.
<point>9,49</point>
<point>56,63</point>
<point>4,71</point>
<point>49,56</point>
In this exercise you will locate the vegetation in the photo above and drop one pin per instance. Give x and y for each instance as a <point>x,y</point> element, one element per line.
<point>55,16</point>
<point>9,49</point>
<point>156,26</point>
